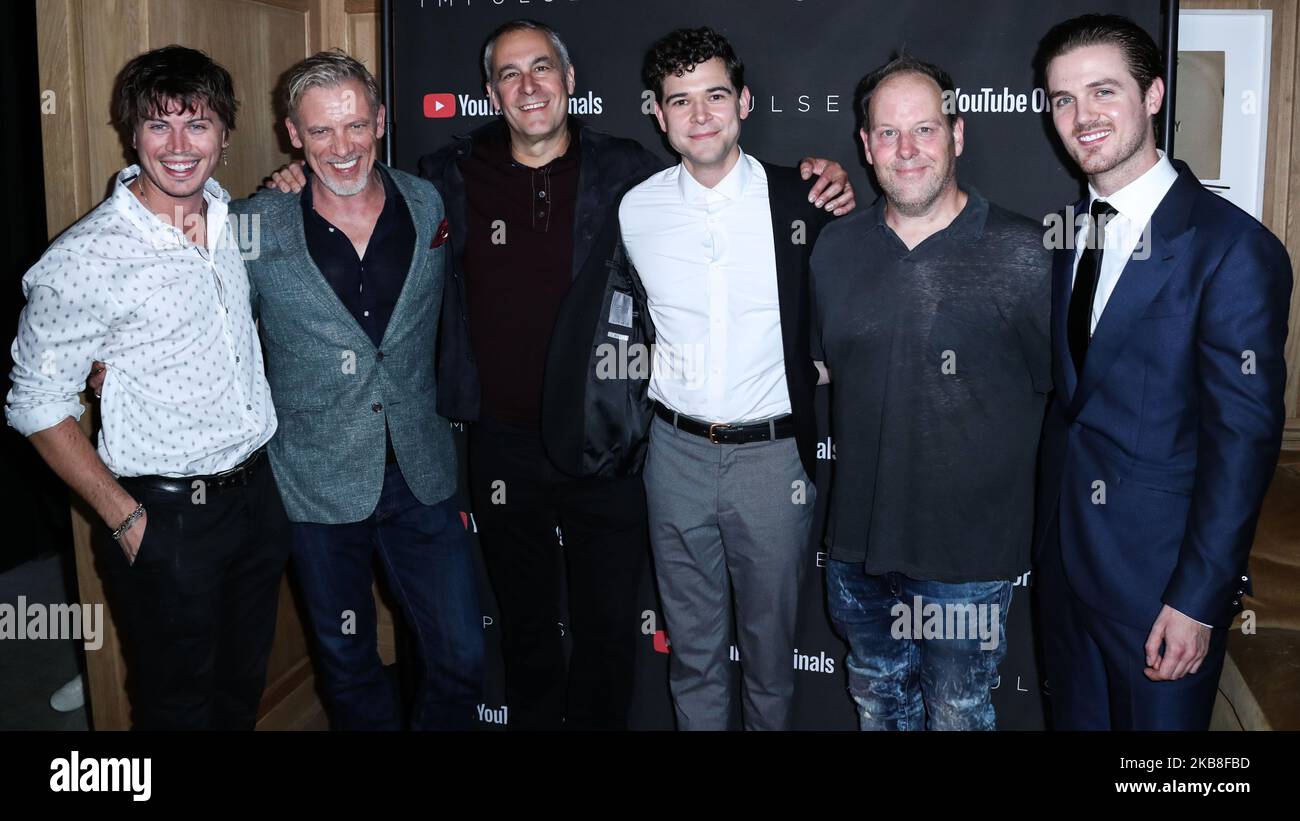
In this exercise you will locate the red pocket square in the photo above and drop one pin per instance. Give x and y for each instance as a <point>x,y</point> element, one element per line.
<point>444,231</point>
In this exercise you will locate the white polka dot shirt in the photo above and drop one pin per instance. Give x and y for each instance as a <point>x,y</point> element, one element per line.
<point>185,393</point>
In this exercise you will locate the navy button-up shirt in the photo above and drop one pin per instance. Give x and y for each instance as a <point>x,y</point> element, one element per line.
<point>368,287</point>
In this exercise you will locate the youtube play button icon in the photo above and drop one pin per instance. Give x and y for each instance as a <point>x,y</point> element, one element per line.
<point>437,106</point>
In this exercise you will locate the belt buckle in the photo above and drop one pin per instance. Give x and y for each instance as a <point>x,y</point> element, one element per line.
<point>712,435</point>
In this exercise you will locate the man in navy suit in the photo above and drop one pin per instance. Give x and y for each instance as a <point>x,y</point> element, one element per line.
<point>1169,317</point>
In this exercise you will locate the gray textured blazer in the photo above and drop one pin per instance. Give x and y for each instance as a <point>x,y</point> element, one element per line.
<point>334,391</point>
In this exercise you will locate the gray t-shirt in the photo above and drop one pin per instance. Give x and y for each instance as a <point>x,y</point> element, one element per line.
<point>940,366</point>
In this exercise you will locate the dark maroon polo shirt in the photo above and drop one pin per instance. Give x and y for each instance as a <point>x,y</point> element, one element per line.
<point>518,263</point>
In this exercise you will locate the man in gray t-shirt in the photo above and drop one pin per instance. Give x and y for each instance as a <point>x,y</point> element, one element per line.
<point>931,317</point>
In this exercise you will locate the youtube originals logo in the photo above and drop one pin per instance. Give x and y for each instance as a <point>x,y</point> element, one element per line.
<point>437,106</point>
<point>443,105</point>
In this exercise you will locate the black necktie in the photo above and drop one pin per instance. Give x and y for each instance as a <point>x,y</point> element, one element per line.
<point>1079,324</point>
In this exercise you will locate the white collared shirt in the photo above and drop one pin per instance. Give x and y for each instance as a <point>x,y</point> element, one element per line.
<point>1135,202</point>
<point>185,393</point>
<point>707,259</point>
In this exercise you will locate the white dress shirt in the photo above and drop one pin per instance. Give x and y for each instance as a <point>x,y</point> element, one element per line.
<point>185,393</point>
<point>1135,202</point>
<point>707,259</point>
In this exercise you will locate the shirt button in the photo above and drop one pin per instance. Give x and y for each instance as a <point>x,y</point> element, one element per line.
<point>380,356</point>
<point>365,313</point>
<point>377,407</point>
<point>331,229</point>
<point>236,359</point>
<point>248,407</point>
<point>541,195</point>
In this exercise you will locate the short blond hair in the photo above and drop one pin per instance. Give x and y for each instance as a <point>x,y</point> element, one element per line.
<point>327,69</point>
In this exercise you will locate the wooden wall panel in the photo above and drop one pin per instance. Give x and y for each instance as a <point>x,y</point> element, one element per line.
<point>109,38</point>
<point>363,39</point>
<point>327,25</point>
<point>257,44</point>
<point>61,72</point>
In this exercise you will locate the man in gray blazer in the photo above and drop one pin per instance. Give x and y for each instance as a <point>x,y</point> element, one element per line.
<point>347,284</point>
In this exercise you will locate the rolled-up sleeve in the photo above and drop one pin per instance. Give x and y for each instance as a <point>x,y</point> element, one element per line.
<point>60,330</point>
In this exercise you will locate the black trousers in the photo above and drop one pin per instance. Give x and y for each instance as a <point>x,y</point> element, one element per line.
<point>197,609</point>
<point>519,500</point>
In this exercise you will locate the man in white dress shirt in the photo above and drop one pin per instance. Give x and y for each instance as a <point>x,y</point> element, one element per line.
<point>152,283</point>
<point>718,246</point>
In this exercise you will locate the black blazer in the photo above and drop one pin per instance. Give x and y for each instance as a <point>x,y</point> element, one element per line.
<point>609,166</point>
<point>595,423</point>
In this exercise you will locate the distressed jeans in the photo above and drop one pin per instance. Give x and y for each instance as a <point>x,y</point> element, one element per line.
<point>922,654</point>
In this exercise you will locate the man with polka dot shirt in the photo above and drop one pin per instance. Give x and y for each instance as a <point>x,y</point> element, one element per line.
<point>194,537</point>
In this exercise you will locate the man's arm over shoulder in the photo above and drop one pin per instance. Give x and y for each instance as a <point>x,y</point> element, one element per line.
<point>257,216</point>
<point>434,167</point>
<point>1241,337</point>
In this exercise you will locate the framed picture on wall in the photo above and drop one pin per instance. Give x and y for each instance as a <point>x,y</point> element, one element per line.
<point>1221,104</point>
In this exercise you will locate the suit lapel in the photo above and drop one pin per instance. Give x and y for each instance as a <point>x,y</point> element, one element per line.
<point>294,241</point>
<point>787,263</point>
<point>1141,280</point>
<point>1063,373</point>
<point>422,215</point>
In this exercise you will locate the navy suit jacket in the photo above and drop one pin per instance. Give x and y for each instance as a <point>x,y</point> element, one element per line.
<point>1156,458</point>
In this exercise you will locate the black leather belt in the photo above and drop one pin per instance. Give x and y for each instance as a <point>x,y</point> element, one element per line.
<point>721,433</point>
<point>237,476</point>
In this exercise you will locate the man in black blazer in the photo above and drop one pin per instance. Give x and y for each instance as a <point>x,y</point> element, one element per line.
<point>719,248</point>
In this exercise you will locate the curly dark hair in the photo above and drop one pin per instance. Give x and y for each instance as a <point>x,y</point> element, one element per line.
<point>172,74</point>
<point>683,50</point>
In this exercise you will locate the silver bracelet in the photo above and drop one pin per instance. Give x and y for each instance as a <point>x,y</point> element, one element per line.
<point>130,520</point>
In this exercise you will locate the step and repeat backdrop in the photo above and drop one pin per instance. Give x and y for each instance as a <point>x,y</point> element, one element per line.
<point>803,59</point>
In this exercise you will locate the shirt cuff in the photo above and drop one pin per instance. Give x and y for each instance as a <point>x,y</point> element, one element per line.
<point>1198,621</point>
<point>36,418</point>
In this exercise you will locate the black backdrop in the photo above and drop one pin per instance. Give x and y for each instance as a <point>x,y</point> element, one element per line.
<point>803,59</point>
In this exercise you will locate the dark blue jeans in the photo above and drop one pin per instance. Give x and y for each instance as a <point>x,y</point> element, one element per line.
<point>426,558</point>
<point>922,654</point>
